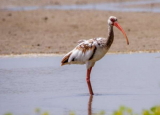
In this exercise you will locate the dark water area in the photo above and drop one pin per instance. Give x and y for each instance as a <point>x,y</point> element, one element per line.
<point>115,6</point>
<point>27,83</point>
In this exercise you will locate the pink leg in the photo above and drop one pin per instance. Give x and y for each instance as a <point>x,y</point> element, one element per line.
<point>88,81</point>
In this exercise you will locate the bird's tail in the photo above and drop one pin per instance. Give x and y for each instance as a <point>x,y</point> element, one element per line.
<point>65,59</point>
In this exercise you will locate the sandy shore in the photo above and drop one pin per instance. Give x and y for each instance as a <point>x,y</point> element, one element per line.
<point>57,31</point>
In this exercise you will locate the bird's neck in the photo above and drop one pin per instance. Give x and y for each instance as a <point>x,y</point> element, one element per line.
<point>110,36</point>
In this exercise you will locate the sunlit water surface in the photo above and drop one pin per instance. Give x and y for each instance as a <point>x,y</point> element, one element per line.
<point>27,83</point>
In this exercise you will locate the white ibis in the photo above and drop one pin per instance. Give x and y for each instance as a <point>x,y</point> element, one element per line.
<point>89,51</point>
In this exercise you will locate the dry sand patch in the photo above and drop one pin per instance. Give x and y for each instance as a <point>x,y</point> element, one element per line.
<point>57,31</point>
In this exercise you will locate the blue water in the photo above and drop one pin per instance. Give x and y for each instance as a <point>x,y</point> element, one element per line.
<point>27,83</point>
<point>116,6</point>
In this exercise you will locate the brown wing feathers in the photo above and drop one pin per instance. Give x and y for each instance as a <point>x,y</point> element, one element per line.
<point>82,47</point>
<point>65,59</point>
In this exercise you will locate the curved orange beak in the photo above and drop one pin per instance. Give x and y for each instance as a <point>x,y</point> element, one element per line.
<point>119,27</point>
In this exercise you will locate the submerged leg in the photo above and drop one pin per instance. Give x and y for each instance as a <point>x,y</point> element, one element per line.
<point>88,81</point>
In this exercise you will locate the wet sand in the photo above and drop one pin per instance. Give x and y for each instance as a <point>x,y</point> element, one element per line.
<point>30,83</point>
<point>57,31</point>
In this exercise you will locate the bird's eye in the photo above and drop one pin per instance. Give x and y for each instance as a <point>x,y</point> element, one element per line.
<point>112,20</point>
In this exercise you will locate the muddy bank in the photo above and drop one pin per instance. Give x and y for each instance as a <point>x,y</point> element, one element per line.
<point>57,31</point>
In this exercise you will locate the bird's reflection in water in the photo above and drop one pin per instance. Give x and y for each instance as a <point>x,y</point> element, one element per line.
<point>90,105</point>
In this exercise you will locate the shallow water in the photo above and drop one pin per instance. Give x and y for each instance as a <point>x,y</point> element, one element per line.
<point>115,6</point>
<point>118,79</point>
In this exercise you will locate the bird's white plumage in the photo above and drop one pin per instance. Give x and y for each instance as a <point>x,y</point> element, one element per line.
<point>80,54</point>
<point>86,52</point>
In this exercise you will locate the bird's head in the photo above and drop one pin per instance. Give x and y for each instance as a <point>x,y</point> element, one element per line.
<point>112,21</point>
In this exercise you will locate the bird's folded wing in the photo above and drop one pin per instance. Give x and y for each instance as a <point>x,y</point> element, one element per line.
<point>83,52</point>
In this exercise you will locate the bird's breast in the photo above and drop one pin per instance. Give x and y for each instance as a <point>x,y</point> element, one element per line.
<point>100,52</point>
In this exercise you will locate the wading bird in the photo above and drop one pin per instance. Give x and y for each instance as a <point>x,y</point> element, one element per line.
<point>89,51</point>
